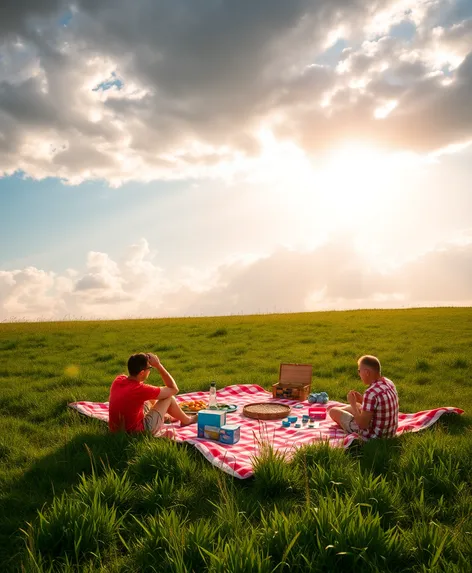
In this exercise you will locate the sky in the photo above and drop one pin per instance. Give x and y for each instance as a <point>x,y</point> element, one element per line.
<point>213,157</point>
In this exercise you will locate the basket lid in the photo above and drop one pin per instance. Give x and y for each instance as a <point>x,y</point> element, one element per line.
<point>297,374</point>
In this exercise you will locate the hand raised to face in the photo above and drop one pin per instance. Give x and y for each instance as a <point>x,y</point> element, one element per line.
<point>153,360</point>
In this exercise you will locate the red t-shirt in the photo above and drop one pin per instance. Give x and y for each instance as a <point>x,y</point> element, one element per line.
<point>381,399</point>
<point>126,403</point>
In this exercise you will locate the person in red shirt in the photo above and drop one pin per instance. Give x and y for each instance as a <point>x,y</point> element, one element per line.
<point>135,406</point>
<point>374,414</point>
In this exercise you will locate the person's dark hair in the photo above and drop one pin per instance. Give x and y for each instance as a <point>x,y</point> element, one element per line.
<point>136,363</point>
<point>371,362</point>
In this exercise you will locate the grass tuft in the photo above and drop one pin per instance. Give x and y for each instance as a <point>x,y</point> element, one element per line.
<point>73,529</point>
<point>273,476</point>
<point>460,363</point>
<point>422,365</point>
<point>218,332</point>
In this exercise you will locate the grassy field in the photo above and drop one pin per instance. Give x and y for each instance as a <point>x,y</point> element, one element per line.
<point>75,498</point>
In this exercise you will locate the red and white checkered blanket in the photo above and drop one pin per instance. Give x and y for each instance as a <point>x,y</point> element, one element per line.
<point>237,459</point>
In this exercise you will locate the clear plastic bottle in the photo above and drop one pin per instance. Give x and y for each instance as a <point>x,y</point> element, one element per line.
<point>212,405</point>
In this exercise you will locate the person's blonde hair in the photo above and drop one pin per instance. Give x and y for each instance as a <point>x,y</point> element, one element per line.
<point>371,362</point>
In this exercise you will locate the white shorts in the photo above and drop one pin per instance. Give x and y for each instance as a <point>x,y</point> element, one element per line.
<point>153,421</point>
<point>347,423</point>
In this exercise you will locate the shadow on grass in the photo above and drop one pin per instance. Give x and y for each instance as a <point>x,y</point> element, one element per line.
<point>454,424</point>
<point>382,456</point>
<point>50,476</point>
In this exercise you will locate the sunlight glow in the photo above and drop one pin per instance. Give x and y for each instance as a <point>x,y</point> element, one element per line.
<point>357,179</point>
<point>345,190</point>
<point>334,35</point>
<point>383,111</point>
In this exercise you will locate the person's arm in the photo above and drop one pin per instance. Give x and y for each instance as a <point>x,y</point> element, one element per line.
<point>171,387</point>
<point>361,417</point>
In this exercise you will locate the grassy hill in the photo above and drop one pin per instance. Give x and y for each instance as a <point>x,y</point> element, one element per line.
<point>74,497</point>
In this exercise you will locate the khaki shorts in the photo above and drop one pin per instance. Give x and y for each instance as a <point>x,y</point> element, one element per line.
<point>152,421</point>
<point>347,423</point>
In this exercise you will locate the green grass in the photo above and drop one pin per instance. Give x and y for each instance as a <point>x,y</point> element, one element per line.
<point>75,498</point>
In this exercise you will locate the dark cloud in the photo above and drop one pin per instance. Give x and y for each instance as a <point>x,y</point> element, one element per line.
<point>26,104</point>
<point>215,73</point>
<point>15,15</point>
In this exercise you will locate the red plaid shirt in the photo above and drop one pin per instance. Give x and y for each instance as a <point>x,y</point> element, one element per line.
<point>381,399</point>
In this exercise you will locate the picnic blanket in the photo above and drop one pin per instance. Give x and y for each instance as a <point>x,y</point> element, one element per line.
<point>236,459</point>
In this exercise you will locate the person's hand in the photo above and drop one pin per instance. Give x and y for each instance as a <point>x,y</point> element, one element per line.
<point>153,360</point>
<point>352,397</point>
<point>359,396</point>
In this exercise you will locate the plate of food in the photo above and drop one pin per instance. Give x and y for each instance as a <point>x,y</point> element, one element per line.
<point>193,406</point>
<point>227,407</point>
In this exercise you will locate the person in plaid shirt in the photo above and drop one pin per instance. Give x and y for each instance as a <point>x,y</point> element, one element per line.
<point>374,414</point>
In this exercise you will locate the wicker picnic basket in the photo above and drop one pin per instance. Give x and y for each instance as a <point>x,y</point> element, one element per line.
<point>266,410</point>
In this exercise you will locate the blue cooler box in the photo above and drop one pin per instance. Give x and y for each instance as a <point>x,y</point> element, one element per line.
<point>230,434</point>
<point>212,418</point>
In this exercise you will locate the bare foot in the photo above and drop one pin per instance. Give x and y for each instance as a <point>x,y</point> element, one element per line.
<point>191,420</point>
<point>168,419</point>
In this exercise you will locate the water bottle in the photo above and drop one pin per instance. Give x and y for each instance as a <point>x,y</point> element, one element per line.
<point>212,405</point>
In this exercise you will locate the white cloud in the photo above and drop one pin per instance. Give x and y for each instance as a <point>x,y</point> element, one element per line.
<point>29,293</point>
<point>334,275</point>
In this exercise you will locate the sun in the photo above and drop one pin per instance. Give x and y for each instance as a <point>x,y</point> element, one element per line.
<point>334,190</point>
<point>354,178</point>
<point>354,168</point>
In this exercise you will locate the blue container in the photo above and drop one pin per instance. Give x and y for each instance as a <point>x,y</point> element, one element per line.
<point>211,418</point>
<point>285,423</point>
<point>230,434</point>
<point>292,419</point>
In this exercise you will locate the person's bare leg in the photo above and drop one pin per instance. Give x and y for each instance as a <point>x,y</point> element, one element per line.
<point>170,406</point>
<point>176,412</point>
<point>336,412</point>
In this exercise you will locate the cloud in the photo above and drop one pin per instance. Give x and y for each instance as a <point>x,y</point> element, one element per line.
<point>29,293</point>
<point>16,17</point>
<point>334,275</point>
<point>444,273</point>
<point>149,90</point>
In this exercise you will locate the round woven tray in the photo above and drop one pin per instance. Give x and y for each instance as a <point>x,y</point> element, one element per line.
<point>266,410</point>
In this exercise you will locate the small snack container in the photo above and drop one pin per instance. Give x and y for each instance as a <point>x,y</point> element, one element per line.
<point>317,413</point>
<point>230,434</point>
